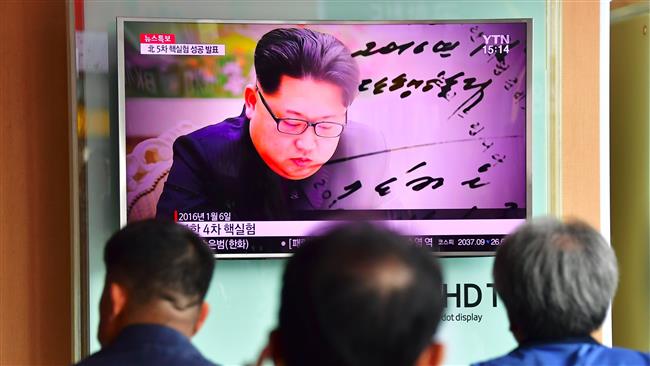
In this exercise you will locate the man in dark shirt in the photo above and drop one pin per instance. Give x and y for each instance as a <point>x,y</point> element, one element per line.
<point>157,275</point>
<point>557,281</point>
<point>280,155</point>
<point>358,295</point>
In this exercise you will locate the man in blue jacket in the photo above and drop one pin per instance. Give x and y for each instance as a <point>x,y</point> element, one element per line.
<point>557,281</point>
<point>157,275</point>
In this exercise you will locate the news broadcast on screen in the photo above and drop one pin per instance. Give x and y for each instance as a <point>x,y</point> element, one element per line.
<point>258,135</point>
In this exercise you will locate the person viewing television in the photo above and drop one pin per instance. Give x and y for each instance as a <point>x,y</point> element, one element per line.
<point>258,165</point>
<point>557,280</point>
<point>157,275</point>
<point>359,295</point>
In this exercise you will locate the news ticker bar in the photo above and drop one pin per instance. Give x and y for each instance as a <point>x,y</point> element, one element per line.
<point>283,246</point>
<point>252,229</point>
<point>355,215</point>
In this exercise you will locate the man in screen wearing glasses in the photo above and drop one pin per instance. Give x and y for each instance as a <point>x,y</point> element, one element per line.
<point>282,156</point>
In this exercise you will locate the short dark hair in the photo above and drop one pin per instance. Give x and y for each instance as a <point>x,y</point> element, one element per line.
<point>359,295</point>
<point>160,259</point>
<point>556,279</point>
<point>301,53</point>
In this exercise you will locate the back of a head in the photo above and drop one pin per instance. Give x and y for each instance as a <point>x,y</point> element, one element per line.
<point>556,280</point>
<point>303,53</point>
<point>359,295</point>
<point>160,260</point>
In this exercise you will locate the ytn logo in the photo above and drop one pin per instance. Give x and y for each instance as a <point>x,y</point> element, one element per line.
<point>497,38</point>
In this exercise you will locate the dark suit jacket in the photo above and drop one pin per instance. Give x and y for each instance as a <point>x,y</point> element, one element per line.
<point>217,169</point>
<point>148,344</point>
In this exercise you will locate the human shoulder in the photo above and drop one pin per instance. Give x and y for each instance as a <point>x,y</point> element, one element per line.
<point>103,358</point>
<point>216,143</point>
<point>231,129</point>
<point>96,359</point>
<point>624,356</point>
<point>589,353</point>
<point>148,344</point>
<point>503,360</point>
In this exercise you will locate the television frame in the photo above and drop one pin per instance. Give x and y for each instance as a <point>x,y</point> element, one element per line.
<point>122,101</point>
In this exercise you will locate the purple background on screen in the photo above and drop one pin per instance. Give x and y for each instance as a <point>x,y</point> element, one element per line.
<point>422,127</point>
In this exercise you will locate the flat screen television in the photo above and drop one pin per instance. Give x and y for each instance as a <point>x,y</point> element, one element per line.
<point>259,134</point>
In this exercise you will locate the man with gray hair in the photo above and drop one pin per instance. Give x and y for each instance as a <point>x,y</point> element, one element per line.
<point>557,280</point>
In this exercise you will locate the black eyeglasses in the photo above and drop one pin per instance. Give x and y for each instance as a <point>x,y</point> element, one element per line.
<point>296,126</point>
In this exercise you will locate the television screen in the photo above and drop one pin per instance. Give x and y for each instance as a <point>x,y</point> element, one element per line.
<point>257,135</point>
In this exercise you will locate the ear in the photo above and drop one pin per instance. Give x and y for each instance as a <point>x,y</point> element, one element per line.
<point>112,309</point>
<point>272,351</point>
<point>275,344</point>
<point>264,355</point>
<point>517,333</point>
<point>250,100</point>
<point>598,335</point>
<point>203,315</point>
<point>432,355</point>
<point>118,298</point>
